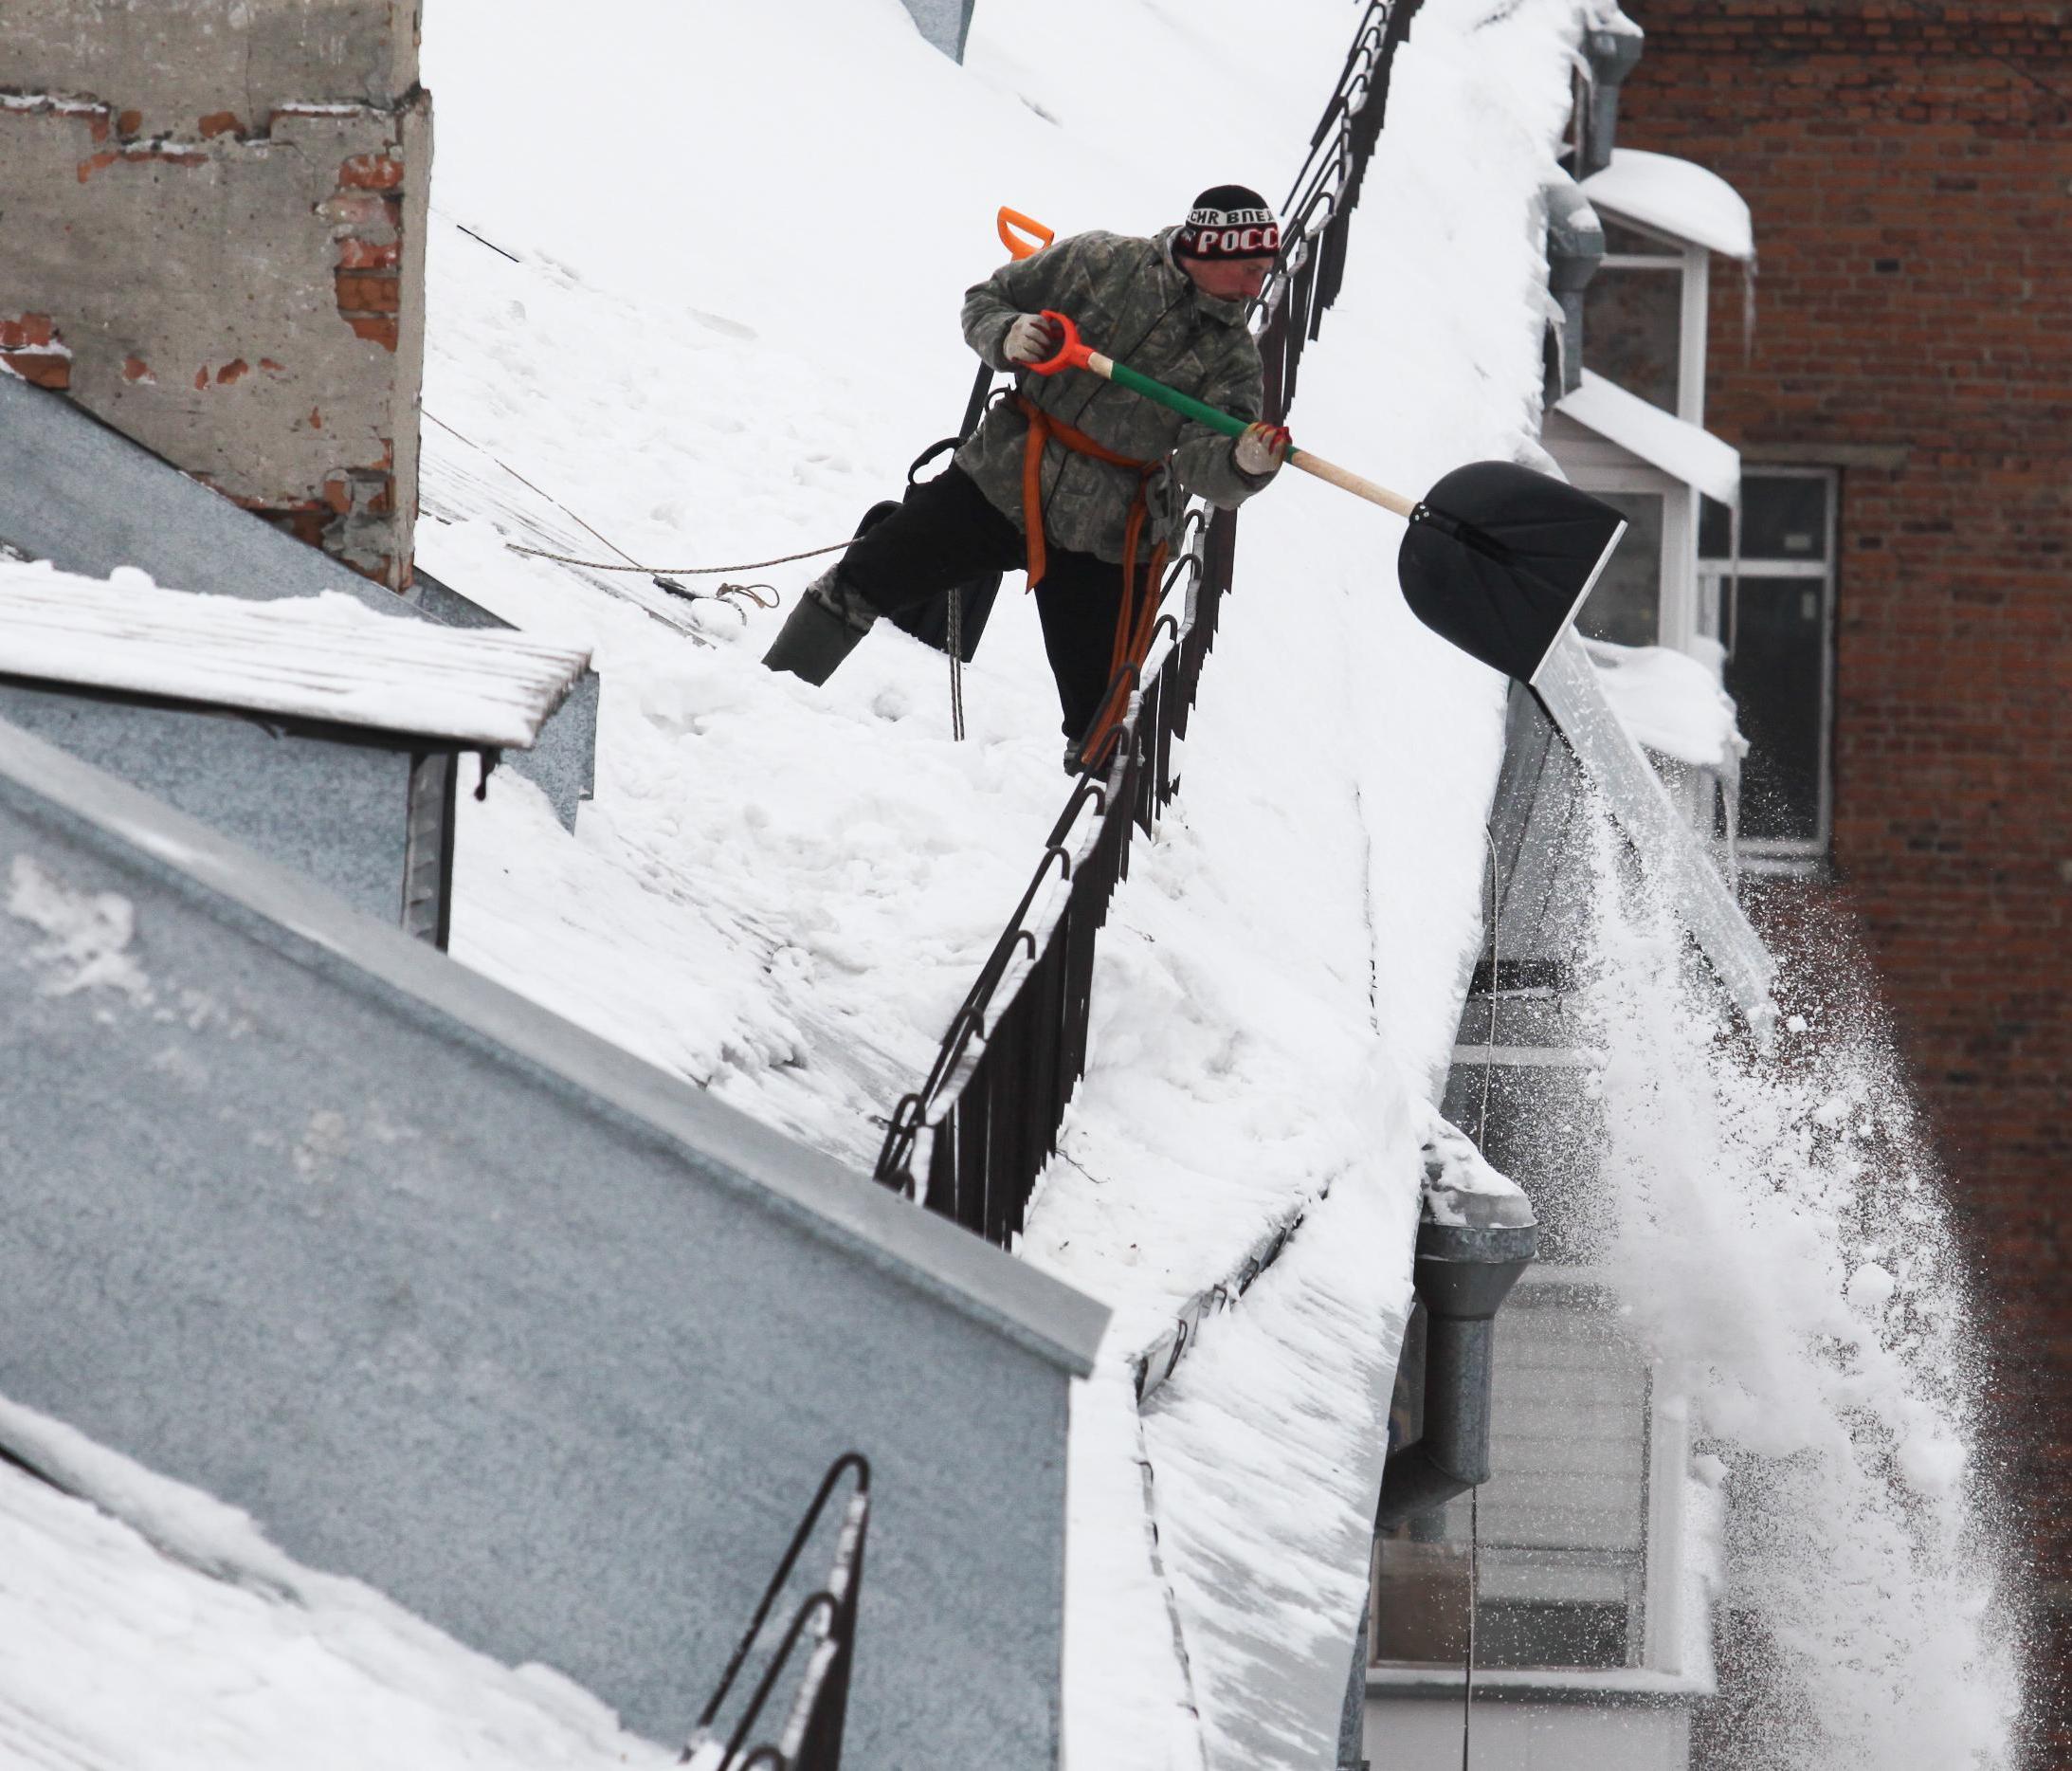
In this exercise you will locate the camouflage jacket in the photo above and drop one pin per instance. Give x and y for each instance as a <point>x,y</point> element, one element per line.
<point>1133,303</point>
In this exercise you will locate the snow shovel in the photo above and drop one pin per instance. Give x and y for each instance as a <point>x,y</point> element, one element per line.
<point>1497,558</point>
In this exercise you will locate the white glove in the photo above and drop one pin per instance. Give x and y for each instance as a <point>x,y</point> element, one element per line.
<point>1259,450</point>
<point>1032,338</point>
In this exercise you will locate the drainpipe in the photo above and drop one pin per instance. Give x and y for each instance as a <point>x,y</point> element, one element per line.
<point>1575,245</point>
<point>1464,1273</point>
<point>1611,47</point>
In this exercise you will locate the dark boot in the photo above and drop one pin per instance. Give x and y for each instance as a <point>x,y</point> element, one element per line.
<point>821,631</point>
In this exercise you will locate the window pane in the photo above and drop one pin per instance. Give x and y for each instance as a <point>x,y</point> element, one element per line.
<point>1551,1635</point>
<point>1626,605</point>
<point>1783,517</point>
<point>1775,628</point>
<point>1630,242</point>
<point>1632,328</point>
<point>1562,1562</point>
<point>1716,527</point>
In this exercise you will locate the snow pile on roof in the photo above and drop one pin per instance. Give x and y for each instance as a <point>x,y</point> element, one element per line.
<point>1671,702</point>
<point>326,657</point>
<point>1459,1185</point>
<point>780,892</point>
<point>1684,450</point>
<point>202,1648</point>
<point>1674,196</point>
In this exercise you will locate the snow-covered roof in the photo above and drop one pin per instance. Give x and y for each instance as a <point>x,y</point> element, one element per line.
<point>1679,447</point>
<point>326,657</point>
<point>183,1639</point>
<point>1674,196</point>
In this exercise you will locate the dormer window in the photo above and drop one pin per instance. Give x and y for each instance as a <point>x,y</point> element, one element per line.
<point>1643,318</point>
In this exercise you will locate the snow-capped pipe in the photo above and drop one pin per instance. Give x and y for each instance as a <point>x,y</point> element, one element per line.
<point>1464,1273</point>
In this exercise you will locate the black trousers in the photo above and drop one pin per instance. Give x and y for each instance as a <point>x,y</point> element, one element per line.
<point>949,531</point>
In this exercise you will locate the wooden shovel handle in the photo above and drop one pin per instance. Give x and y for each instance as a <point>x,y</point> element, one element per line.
<point>1349,480</point>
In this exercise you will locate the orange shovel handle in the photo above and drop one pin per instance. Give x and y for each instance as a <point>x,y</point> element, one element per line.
<point>1013,224</point>
<point>1074,353</point>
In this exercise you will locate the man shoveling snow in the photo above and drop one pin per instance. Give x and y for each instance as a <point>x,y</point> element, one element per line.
<point>1072,477</point>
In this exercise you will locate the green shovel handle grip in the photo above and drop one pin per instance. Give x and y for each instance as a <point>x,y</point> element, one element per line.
<point>1073,353</point>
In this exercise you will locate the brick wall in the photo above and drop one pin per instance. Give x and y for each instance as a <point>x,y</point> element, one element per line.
<point>1910,172</point>
<point>211,237</point>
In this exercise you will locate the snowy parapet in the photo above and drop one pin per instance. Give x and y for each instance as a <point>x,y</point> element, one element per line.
<point>325,657</point>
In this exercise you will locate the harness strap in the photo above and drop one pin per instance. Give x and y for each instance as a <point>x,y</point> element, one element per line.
<point>1136,619</point>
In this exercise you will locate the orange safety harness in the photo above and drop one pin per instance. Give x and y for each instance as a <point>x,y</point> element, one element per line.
<point>1138,618</point>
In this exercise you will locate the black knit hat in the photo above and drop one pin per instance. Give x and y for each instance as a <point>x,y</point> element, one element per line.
<point>1228,221</point>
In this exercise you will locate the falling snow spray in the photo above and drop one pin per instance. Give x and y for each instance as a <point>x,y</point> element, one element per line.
<point>1780,1236</point>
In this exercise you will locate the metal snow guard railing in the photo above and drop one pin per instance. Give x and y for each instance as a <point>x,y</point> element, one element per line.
<point>970,1142</point>
<point>824,1625</point>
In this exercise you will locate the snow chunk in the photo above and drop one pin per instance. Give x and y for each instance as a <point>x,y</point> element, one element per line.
<point>89,934</point>
<point>1460,1186</point>
<point>1670,702</point>
<point>1674,196</point>
<point>1870,1287</point>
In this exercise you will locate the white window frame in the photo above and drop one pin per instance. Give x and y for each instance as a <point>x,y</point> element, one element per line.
<point>1665,1604</point>
<point>1693,264</point>
<point>1716,581</point>
<point>1681,615</point>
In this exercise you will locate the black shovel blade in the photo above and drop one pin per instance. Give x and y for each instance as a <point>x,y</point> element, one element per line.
<point>1497,558</point>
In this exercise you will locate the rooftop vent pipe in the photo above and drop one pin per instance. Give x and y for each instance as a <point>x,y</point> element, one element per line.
<point>1575,247</point>
<point>1464,1273</point>
<point>1611,47</point>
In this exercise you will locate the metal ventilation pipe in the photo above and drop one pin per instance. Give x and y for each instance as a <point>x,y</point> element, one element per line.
<point>1575,247</point>
<point>1612,48</point>
<point>1464,1273</point>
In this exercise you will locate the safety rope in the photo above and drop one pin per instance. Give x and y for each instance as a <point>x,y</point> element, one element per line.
<point>955,636</point>
<point>1474,1552</point>
<point>1482,1132</point>
<point>1136,616</point>
<point>675,572</point>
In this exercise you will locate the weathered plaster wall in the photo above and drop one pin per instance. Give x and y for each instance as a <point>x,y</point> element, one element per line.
<point>212,239</point>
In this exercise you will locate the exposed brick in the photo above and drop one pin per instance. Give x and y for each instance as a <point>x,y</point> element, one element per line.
<point>137,369</point>
<point>381,328</point>
<point>361,292</point>
<point>221,123</point>
<point>236,370</point>
<point>46,369</point>
<point>357,254</point>
<point>371,172</point>
<point>26,332</point>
